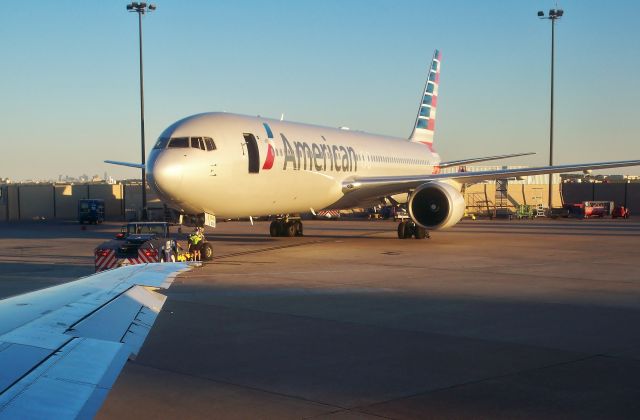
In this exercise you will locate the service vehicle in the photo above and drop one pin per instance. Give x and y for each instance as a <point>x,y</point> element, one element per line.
<point>598,208</point>
<point>142,242</point>
<point>620,211</point>
<point>91,210</point>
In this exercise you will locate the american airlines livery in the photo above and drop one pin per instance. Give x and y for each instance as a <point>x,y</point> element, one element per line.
<point>230,166</point>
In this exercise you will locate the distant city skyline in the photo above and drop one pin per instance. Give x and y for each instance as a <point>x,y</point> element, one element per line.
<point>70,88</point>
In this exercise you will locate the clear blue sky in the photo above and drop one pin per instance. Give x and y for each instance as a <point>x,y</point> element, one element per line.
<point>69,75</point>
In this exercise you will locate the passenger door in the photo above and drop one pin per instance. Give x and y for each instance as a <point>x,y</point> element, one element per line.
<point>253,153</point>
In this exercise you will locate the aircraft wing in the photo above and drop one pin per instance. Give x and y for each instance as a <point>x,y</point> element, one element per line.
<point>128,164</point>
<point>62,348</point>
<point>366,187</point>
<point>481,159</point>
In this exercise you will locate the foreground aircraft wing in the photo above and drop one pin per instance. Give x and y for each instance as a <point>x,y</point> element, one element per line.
<point>482,159</point>
<point>366,187</point>
<point>62,348</point>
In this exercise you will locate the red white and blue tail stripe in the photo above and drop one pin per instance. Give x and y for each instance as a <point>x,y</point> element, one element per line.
<point>425,120</point>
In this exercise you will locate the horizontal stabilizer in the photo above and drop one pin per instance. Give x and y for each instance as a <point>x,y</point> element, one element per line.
<point>481,159</point>
<point>129,164</point>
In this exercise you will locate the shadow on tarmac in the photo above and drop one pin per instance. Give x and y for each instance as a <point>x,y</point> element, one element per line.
<point>21,277</point>
<point>400,355</point>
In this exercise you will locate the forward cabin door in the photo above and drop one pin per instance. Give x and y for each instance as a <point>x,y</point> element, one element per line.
<point>253,153</point>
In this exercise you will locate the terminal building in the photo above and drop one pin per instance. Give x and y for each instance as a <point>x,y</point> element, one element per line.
<point>123,199</point>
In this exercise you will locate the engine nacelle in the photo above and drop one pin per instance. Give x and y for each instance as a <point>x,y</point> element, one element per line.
<point>436,205</point>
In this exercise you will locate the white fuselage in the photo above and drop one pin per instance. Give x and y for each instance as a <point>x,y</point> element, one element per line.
<point>291,169</point>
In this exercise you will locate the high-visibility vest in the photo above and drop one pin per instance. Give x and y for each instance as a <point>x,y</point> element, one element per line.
<point>194,238</point>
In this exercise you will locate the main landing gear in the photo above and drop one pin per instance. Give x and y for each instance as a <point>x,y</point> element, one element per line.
<point>408,229</point>
<point>286,227</point>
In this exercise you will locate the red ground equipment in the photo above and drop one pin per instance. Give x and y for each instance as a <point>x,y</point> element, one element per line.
<point>598,208</point>
<point>138,243</point>
<point>620,211</point>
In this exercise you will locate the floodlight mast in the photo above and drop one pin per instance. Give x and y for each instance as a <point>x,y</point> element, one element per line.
<point>142,8</point>
<point>554,14</point>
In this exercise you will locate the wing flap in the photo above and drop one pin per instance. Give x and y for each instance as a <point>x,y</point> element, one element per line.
<point>128,319</point>
<point>16,360</point>
<point>73,380</point>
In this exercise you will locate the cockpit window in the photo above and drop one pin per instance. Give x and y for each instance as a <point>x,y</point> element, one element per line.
<point>179,142</point>
<point>197,143</point>
<point>209,143</point>
<point>202,143</point>
<point>161,143</point>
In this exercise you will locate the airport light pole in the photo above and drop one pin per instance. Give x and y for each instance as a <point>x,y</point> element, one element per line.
<point>141,9</point>
<point>554,14</point>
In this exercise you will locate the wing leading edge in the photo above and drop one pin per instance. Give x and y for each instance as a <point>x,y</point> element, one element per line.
<point>128,164</point>
<point>62,348</point>
<point>367,187</point>
<point>482,159</point>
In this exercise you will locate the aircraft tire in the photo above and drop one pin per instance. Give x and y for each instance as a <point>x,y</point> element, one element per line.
<point>275,228</point>
<point>206,252</point>
<point>409,230</point>
<point>290,229</point>
<point>299,229</point>
<point>419,232</point>
<point>402,226</point>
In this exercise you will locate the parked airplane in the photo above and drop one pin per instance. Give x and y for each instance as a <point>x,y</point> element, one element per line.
<point>228,165</point>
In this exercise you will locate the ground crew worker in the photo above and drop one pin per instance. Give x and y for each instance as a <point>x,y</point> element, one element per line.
<point>195,244</point>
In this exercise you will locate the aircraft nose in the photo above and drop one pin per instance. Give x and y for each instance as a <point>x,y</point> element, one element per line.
<point>165,175</point>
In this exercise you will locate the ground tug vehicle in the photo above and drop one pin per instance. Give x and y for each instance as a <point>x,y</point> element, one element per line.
<point>143,242</point>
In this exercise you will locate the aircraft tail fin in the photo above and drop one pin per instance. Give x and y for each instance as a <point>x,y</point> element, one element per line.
<point>424,126</point>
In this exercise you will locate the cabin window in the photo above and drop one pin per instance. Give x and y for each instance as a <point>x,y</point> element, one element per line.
<point>422,123</point>
<point>425,111</point>
<point>432,76</point>
<point>179,142</point>
<point>427,100</point>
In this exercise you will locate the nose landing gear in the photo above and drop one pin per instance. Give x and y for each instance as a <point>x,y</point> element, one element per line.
<point>286,227</point>
<point>408,229</point>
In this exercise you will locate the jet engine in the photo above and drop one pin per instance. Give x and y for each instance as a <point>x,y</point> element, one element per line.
<point>436,205</point>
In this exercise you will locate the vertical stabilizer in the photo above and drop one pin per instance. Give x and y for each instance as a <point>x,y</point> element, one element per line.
<point>425,121</point>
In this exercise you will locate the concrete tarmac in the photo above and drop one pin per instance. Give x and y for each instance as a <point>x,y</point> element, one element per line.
<point>491,319</point>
